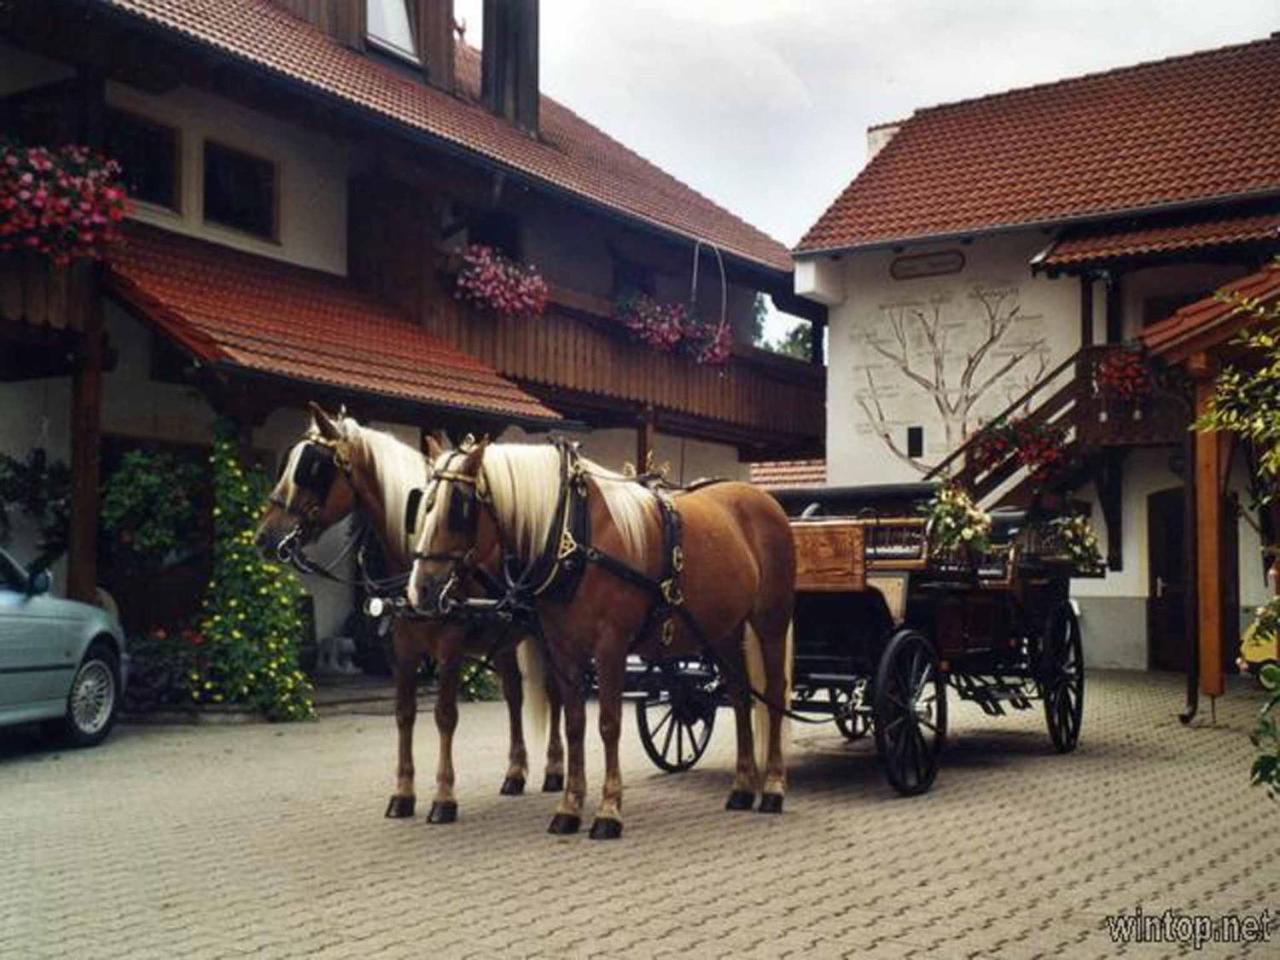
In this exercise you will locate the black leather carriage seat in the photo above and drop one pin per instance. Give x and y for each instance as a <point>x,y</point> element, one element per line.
<point>1006,522</point>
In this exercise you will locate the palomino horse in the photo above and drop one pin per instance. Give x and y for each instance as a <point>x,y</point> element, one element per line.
<point>613,568</point>
<point>340,468</point>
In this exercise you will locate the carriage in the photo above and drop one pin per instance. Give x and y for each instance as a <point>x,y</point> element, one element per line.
<point>885,626</point>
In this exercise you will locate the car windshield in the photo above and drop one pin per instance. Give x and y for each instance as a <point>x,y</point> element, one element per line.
<point>12,576</point>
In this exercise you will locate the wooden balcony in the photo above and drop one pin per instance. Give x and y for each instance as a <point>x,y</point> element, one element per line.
<point>577,358</point>
<point>1159,419</point>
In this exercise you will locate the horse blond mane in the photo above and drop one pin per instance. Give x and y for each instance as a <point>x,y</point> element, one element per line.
<point>523,480</point>
<point>398,468</point>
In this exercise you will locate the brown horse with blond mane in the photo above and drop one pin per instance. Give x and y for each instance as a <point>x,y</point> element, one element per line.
<point>612,566</point>
<point>339,469</point>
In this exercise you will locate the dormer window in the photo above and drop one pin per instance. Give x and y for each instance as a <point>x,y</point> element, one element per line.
<point>389,28</point>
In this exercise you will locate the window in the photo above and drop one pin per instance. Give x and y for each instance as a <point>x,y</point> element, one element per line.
<point>631,277</point>
<point>239,191</point>
<point>388,26</point>
<point>500,231</point>
<point>148,156</point>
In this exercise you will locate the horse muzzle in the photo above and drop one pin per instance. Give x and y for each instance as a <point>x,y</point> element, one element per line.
<point>436,598</point>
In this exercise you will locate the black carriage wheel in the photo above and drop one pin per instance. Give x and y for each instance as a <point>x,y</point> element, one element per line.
<point>910,711</point>
<point>853,723</point>
<point>1062,677</point>
<point>678,712</point>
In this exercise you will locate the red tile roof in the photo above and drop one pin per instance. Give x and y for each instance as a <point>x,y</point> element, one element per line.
<point>779,474</point>
<point>1098,244</point>
<point>1214,320</point>
<point>571,155</point>
<point>233,308</point>
<point>1176,131</point>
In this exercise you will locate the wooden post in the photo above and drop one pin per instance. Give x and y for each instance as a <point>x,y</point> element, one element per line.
<point>1115,309</point>
<point>86,436</point>
<point>817,348</point>
<point>1190,597</point>
<point>1209,469</point>
<point>1086,310</point>
<point>646,434</point>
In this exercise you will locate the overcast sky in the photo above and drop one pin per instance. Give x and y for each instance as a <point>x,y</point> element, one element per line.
<point>763,105</point>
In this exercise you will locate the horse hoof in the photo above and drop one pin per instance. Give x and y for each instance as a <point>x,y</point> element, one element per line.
<point>443,811</point>
<point>563,824</point>
<point>606,828</point>
<point>512,787</point>
<point>553,783</point>
<point>400,807</point>
<point>770,803</point>
<point>740,800</point>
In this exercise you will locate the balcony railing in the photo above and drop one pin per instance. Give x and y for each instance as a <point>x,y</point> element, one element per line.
<point>581,357</point>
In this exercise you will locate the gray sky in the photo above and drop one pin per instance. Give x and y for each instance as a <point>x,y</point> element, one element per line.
<point>763,105</point>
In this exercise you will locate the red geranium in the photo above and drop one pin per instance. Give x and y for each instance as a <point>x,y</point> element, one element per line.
<point>65,203</point>
<point>1040,447</point>
<point>1123,375</point>
<point>495,282</point>
<point>670,326</point>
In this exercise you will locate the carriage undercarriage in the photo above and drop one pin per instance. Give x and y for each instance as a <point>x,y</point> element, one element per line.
<point>883,631</point>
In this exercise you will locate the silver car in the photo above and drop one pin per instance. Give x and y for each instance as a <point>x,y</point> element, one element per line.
<point>61,662</point>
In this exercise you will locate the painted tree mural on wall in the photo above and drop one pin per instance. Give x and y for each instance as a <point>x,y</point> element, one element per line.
<point>960,357</point>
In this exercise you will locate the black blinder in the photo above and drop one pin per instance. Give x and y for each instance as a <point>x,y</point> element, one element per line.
<point>411,509</point>
<point>315,471</point>
<point>462,508</point>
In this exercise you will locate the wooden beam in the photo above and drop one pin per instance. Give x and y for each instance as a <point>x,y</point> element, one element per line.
<point>817,344</point>
<point>646,435</point>
<point>1115,308</point>
<point>1210,516</point>
<point>86,435</point>
<point>434,22</point>
<point>1086,310</point>
<point>1109,481</point>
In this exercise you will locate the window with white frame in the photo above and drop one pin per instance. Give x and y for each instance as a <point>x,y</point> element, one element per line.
<point>388,26</point>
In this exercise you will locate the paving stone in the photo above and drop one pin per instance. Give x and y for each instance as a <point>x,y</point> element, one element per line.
<point>269,842</point>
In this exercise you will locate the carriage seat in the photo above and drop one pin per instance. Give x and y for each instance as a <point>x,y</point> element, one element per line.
<point>1006,523</point>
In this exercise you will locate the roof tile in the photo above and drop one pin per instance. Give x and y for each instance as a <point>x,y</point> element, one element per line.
<point>1214,319</point>
<point>570,153</point>
<point>1175,131</point>
<point>282,320</point>
<point>1097,244</point>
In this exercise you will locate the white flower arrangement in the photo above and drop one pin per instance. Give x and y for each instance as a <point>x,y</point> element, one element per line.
<point>1074,536</point>
<point>955,523</point>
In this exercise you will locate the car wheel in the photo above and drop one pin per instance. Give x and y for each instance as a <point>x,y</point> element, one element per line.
<point>94,700</point>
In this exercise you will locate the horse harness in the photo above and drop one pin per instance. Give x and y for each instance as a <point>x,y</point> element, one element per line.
<point>557,570</point>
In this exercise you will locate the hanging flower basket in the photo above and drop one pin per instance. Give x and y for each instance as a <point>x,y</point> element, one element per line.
<point>670,327</point>
<point>1123,375</point>
<point>498,284</point>
<point>64,203</point>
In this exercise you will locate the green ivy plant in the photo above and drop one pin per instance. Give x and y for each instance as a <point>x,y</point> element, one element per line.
<point>1266,737</point>
<point>40,489</point>
<point>147,509</point>
<point>250,627</point>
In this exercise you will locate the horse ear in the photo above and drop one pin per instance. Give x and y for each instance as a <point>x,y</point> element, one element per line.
<point>436,443</point>
<point>471,465</point>
<point>323,423</point>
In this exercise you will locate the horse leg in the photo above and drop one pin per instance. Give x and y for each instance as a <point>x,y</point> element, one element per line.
<point>746,775</point>
<point>611,675</point>
<point>444,807</point>
<point>568,816</point>
<point>775,648</point>
<point>553,782</point>
<point>512,691</point>
<point>407,662</point>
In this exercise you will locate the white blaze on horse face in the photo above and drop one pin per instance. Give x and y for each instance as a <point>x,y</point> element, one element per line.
<point>437,495</point>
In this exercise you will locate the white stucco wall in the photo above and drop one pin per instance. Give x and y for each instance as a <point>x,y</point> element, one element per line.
<point>686,460</point>
<point>1044,331</point>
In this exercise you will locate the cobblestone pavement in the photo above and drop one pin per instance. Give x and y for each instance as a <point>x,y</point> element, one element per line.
<point>269,841</point>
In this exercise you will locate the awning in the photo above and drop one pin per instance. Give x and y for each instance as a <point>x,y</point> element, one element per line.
<point>1214,320</point>
<point>1086,246</point>
<point>237,310</point>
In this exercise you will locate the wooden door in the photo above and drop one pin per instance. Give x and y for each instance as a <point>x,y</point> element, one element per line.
<point>1166,581</point>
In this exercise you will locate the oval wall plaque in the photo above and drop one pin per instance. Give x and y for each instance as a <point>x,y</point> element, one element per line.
<point>916,265</point>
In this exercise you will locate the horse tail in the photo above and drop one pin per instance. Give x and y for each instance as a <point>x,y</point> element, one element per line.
<point>532,659</point>
<point>758,679</point>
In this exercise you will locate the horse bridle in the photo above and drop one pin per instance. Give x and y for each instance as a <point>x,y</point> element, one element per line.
<point>317,468</point>
<point>466,495</point>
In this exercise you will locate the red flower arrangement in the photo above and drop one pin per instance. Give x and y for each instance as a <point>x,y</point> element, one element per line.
<point>65,203</point>
<point>670,326</point>
<point>1123,375</point>
<point>1038,446</point>
<point>495,282</point>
